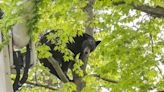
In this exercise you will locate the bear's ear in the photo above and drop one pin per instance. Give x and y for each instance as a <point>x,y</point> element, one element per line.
<point>97,43</point>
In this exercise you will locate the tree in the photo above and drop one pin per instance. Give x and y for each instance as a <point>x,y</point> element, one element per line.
<point>130,57</point>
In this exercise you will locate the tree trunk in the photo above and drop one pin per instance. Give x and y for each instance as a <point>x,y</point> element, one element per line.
<point>5,81</point>
<point>89,10</point>
<point>89,30</point>
<point>78,80</point>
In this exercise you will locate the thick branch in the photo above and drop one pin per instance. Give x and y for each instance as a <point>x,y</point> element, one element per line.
<point>58,69</point>
<point>156,12</point>
<point>78,79</point>
<point>89,30</point>
<point>105,79</point>
<point>89,10</point>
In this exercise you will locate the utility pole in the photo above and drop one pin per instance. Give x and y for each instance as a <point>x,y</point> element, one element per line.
<point>5,80</point>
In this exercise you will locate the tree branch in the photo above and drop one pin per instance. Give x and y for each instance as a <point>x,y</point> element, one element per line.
<point>78,79</point>
<point>152,42</point>
<point>105,79</point>
<point>152,45</point>
<point>156,12</point>
<point>39,85</point>
<point>1,14</point>
<point>58,69</point>
<point>89,10</point>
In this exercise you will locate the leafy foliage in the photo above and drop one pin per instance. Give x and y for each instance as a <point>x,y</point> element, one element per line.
<point>131,51</point>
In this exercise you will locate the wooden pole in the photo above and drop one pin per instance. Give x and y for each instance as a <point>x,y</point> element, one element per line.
<point>5,80</point>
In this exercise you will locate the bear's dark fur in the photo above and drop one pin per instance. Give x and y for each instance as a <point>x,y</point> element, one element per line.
<point>77,47</point>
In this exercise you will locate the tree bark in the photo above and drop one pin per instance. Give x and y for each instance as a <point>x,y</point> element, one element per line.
<point>80,84</point>
<point>78,80</point>
<point>153,11</point>
<point>89,10</point>
<point>156,12</point>
<point>5,81</point>
<point>58,69</point>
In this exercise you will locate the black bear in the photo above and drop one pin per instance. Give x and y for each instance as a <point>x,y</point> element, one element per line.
<point>77,47</point>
